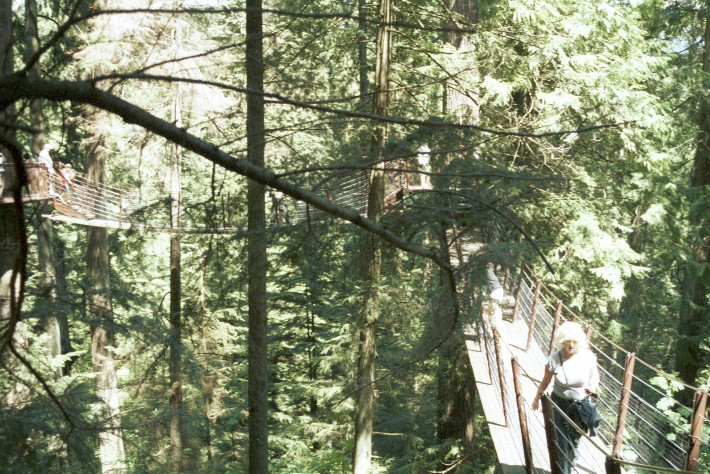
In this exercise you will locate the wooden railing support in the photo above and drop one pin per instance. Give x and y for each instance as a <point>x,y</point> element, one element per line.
<point>522,415</point>
<point>555,325</point>
<point>501,374</point>
<point>612,465</point>
<point>484,345</point>
<point>624,404</point>
<point>533,312</point>
<point>548,415</point>
<point>696,430</point>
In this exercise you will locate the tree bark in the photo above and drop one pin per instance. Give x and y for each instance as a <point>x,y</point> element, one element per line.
<point>363,66</point>
<point>13,238</point>
<point>461,92</point>
<point>256,247</point>
<point>98,284</point>
<point>456,382</point>
<point>111,449</point>
<point>372,254</point>
<point>694,318</point>
<point>175,392</point>
<point>50,314</point>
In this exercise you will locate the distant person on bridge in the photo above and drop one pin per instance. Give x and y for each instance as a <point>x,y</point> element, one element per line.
<point>424,165</point>
<point>574,369</point>
<point>46,160</point>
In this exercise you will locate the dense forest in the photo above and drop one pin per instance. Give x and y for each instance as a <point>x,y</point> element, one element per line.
<point>253,319</point>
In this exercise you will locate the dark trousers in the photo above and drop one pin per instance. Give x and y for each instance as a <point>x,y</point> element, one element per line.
<point>567,437</point>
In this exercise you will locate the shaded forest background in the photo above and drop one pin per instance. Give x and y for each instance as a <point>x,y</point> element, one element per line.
<point>572,136</point>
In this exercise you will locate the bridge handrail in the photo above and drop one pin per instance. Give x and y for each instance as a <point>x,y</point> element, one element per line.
<point>532,305</point>
<point>612,343</point>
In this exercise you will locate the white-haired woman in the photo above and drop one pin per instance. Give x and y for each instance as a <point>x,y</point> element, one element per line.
<point>574,369</point>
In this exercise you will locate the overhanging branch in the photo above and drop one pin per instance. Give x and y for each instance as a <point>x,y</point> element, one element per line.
<point>16,87</point>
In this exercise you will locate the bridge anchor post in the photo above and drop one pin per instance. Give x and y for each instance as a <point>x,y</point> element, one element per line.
<point>550,433</point>
<point>696,430</point>
<point>522,415</point>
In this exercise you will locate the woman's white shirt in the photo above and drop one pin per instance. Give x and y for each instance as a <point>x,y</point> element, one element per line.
<point>573,374</point>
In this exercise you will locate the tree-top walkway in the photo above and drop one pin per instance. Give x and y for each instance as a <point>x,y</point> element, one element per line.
<point>82,201</point>
<point>507,357</point>
<point>635,435</point>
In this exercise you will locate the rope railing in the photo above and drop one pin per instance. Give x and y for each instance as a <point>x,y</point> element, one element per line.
<point>646,436</point>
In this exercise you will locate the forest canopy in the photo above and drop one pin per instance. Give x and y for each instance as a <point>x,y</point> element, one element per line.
<point>286,293</point>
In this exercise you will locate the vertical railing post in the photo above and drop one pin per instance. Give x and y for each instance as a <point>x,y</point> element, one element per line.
<point>696,430</point>
<point>533,312</point>
<point>520,402</point>
<point>501,374</point>
<point>550,433</point>
<point>623,404</point>
<point>555,325</point>
<point>517,295</point>
<point>484,345</point>
<point>120,207</point>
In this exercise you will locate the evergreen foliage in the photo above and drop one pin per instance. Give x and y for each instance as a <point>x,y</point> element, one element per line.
<point>579,165</point>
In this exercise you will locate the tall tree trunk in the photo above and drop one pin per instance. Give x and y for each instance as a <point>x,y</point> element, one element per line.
<point>363,66</point>
<point>12,240</point>
<point>176,346</point>
<point>256,247</point>
<point>456,383</point>
<point>111,449</point>
<point>694,319</point>
<point>49,312</point>
<point>372,254</point>
<point>176,408</point>
<point>461,92</point>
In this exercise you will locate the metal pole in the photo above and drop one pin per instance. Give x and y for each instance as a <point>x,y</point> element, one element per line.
<point>555,325</point>
<point>550,433</point>
<point>501,374</point>
<point>696,430</point>
<point>624,404</point>
<point>520,401</point>
<point>536,299</point>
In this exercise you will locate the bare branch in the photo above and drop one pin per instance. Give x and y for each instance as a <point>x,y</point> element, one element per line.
<point>13,88</point>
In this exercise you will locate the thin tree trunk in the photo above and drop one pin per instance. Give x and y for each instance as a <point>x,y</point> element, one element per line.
<point>9,235</point>
<point>256,248</point>
<point>176,408</point>
<point>694,318</point>
<point>208,379</point>
<point>362,51</point>
<point>372,255</point>
<point>13,235</point>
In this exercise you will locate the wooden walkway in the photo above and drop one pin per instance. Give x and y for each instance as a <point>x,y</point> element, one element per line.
<point>507,436</point>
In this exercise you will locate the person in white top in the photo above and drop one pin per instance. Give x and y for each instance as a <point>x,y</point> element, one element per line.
<point>574,369</point>
<point>45,159</point>
<point>424,165</point>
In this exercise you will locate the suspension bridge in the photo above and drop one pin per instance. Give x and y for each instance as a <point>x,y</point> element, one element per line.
<point>642,429</point>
